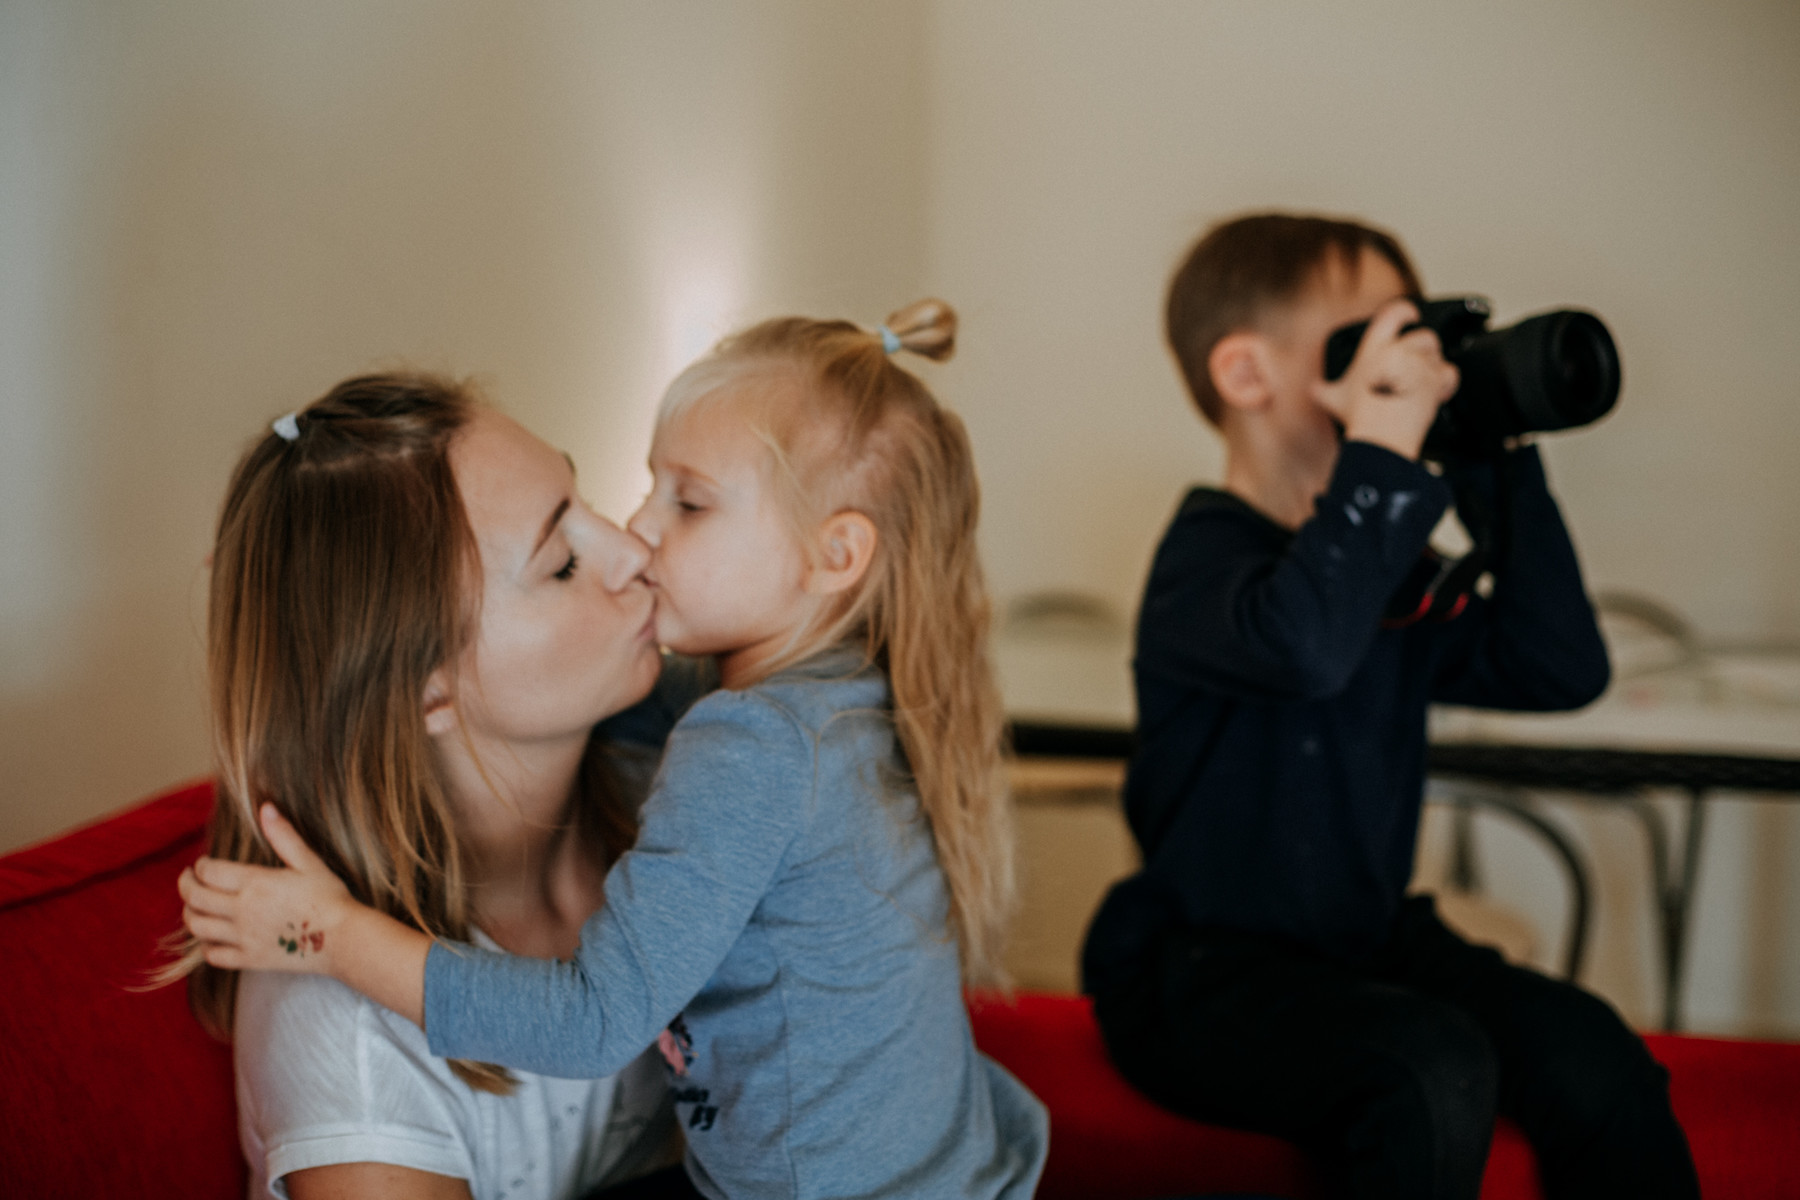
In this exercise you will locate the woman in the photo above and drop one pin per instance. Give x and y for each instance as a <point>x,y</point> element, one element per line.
<point>415,625</point>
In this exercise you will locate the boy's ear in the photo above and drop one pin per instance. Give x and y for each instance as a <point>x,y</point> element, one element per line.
<point>846,547</point>
<point>1239,364</point>
<point>440,708</point>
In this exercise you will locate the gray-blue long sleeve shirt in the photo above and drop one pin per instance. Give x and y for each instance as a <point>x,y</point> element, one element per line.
<point>784,914</point>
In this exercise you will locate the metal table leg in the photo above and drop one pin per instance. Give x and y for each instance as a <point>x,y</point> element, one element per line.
<point>1673,886</point>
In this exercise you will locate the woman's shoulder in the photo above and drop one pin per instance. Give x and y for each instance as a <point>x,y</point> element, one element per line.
<point>323,1079</point>
<point>308,1048</point>
<point>278,1009</point>
<point>326,1076</point>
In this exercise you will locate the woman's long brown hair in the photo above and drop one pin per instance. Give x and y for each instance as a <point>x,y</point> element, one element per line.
<point>344,573</point>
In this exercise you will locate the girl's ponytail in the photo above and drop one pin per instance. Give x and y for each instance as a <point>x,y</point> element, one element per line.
<point>924,327</point>
<point>927,617</point>
<point>930,620</point>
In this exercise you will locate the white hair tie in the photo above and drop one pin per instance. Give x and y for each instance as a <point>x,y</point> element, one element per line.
<point>287,428</point>
<point>890,341</point>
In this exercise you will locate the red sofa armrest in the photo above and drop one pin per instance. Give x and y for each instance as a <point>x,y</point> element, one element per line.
<point>112,1089</point>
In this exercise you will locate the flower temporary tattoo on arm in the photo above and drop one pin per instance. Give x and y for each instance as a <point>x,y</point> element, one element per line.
<point>302,941</point>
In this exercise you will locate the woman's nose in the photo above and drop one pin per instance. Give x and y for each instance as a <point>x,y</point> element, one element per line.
<point>625,560</point>
<point>642,526</point>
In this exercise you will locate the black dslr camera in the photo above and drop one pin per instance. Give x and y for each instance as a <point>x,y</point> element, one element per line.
<point>1557,370</point>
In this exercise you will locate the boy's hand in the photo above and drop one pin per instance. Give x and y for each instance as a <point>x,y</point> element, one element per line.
<point>1391,393</point>
<point>251,918</point>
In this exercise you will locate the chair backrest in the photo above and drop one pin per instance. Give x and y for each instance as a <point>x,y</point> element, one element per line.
<point>109,1089</point>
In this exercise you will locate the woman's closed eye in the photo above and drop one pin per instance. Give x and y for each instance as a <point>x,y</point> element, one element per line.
<point>567,570</point>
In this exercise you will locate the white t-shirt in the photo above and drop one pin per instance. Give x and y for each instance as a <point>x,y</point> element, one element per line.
<point>325,1076</point>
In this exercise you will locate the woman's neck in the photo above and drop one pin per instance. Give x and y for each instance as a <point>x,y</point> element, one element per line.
<point>532,880</point>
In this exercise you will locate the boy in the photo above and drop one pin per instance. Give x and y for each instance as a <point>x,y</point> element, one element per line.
<point>1265,969</point>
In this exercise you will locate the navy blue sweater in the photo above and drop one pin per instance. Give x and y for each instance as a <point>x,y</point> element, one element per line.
<point>1281,760</point>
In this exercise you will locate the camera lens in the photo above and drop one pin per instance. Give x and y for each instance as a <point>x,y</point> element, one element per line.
<point>1588,364</point>
<point>1564,371</point>
<point>1557,370</point>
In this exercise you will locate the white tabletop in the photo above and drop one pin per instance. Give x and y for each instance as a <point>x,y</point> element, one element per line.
<point>1078,677</point>
<point>1730,704</point>
<point>1617,724</point>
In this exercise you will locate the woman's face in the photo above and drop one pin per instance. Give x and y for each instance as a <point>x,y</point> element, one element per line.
<point>566,634</point>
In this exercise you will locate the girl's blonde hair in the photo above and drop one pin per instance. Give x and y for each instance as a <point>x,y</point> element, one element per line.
<point>849,429</point>
<point>344,573</point>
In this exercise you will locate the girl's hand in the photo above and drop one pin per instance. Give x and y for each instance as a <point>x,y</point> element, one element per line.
<point>302,918</point>
<point>251,918</point>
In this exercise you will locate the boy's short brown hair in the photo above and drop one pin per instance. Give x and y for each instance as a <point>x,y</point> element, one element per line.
<point>1248,265</point>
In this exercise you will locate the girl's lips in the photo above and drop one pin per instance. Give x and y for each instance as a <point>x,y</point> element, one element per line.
<point>648,632</point>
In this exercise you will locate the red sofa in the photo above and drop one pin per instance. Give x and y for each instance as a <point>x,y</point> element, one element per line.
<point>109,1089</point>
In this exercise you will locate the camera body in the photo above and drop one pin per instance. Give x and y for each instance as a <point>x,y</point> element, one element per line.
<point>1556,370</point>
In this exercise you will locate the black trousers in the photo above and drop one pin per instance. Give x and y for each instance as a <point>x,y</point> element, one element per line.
<point>670,1183</point>
<point>1390,1074</point>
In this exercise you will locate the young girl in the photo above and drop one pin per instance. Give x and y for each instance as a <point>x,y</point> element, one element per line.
<point>827,833</point>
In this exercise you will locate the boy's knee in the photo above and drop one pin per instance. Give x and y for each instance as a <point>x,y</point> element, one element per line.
<point>1594,1072</point>
<point>1452,1067</point>
<point>1595,1105</point>
<point>1426,1116</point>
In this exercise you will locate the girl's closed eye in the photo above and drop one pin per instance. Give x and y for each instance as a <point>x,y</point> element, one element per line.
<point>567,570</point>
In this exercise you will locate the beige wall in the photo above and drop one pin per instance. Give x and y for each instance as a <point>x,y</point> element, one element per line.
<point>1638,159</point>
<point>211,211</point>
